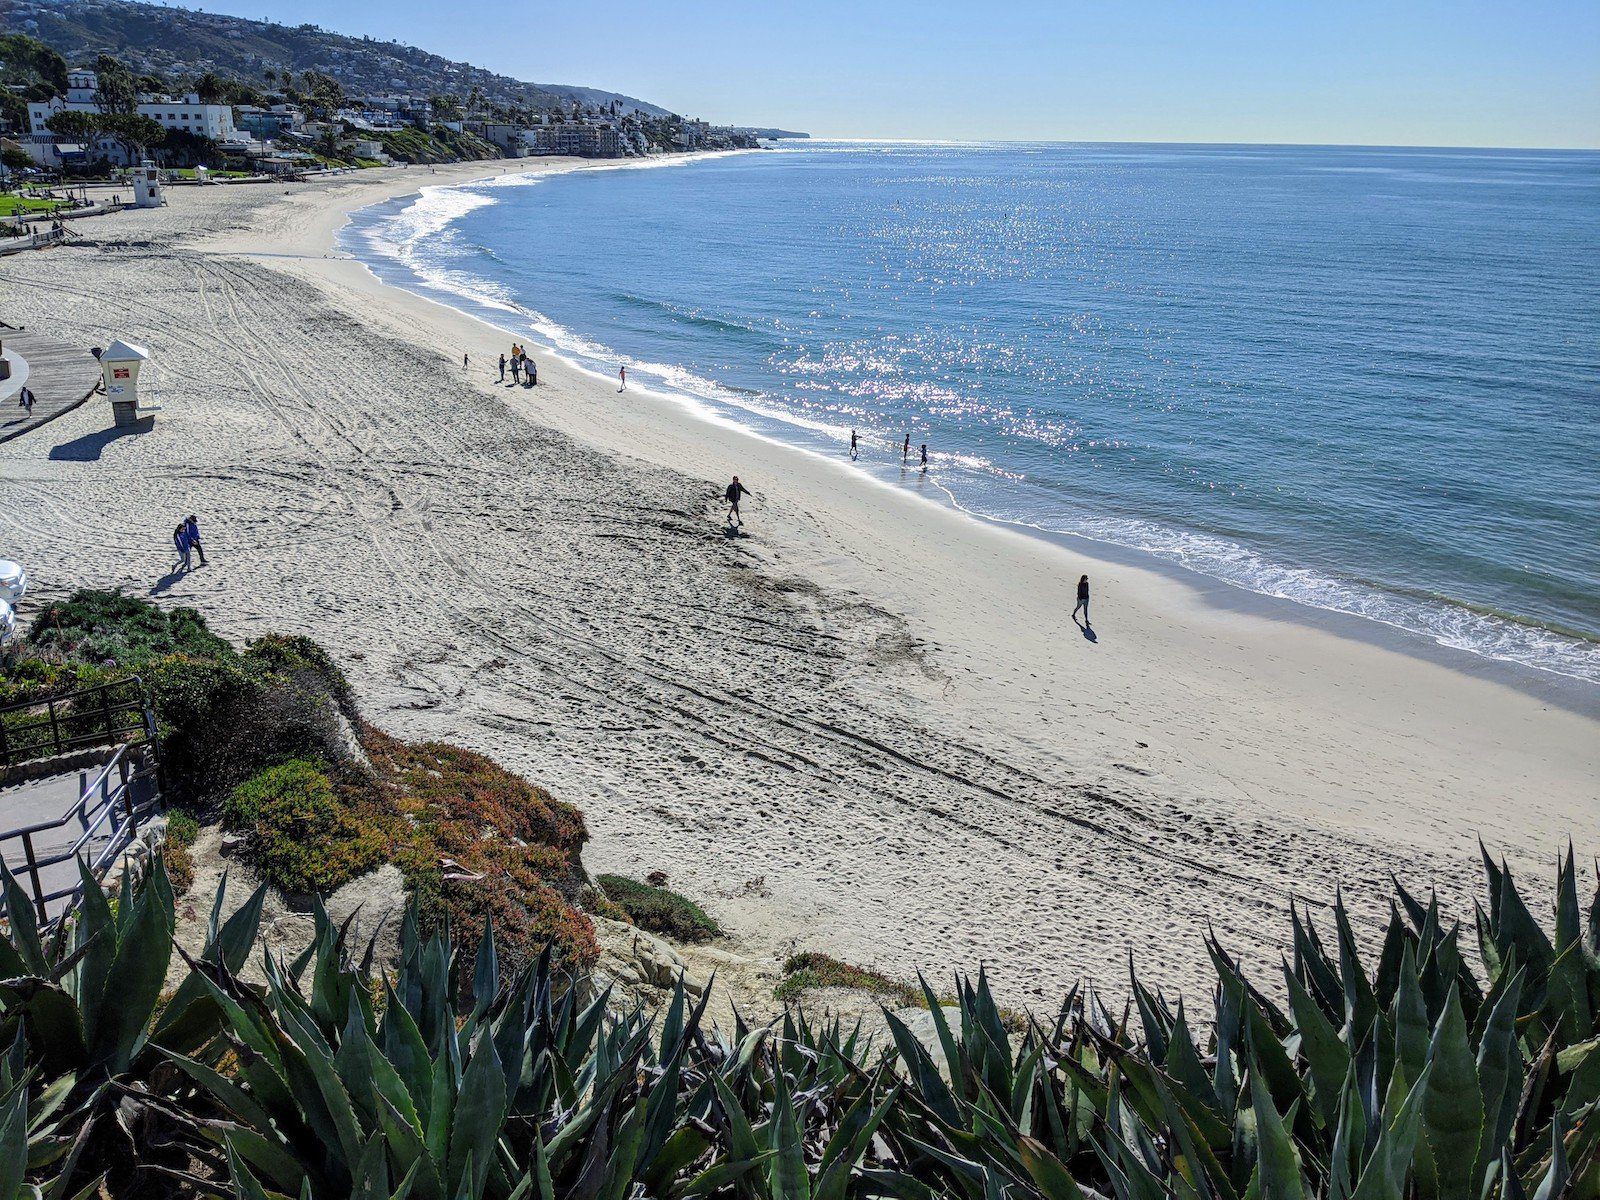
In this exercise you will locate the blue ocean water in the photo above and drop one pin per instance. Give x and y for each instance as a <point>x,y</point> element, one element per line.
<point>1361,379</point>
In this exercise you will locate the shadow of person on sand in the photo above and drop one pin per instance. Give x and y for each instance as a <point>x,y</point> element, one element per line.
<point>1089,635</point>
<point>167,580</point>
<point>88,447</point>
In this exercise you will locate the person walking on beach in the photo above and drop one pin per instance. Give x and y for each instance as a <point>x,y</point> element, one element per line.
<point>622,374</point>
<point>1083,601</point>
<point>502,368</point>
<point>736,491</point>
<point>533,373</point>
<point>180,539</point>
<point>516,371</point>
<point>191,533</point>
<point>905,451</point>
<point>854,451</point>
<point>463,362</point>
<point>924,458</point>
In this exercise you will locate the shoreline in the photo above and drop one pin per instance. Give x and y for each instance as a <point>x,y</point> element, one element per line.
<point>1572,692</point>
<point>863,727</point>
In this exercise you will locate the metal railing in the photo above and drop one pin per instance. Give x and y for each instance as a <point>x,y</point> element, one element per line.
<point>99,716</point>
<point>103,822</point>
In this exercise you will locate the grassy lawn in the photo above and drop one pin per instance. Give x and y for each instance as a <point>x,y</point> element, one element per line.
<point>12,206</point>
<point>188,173</point>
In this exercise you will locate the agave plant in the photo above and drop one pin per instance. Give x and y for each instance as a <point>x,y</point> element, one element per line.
<point>1413,1080</point>
<point>522,1089</point>
<point>31,1137</point>
<point>81,1004</point>
<point>1433,1073</point>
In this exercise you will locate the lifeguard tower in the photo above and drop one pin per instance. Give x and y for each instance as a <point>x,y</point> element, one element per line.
<point>119,364</point>
<point>147,190</point>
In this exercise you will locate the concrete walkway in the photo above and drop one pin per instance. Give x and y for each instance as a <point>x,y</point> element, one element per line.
<point>60,376</point>
<point>41,800</point>
<point>45,792</point>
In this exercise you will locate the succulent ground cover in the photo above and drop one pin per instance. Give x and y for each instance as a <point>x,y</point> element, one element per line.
<point>659,909</point>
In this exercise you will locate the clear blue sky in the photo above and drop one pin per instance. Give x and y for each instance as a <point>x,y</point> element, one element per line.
<point>1467,73</point>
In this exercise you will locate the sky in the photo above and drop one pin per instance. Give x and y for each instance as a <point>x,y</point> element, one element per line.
<point>1400,72</point>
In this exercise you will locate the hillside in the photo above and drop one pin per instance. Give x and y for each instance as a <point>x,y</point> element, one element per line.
<point>176,42</point>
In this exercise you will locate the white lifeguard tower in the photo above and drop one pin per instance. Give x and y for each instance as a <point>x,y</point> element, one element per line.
<point>119,364</point>
<point>147,192</point>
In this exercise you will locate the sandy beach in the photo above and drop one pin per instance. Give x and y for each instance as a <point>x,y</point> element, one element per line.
<point>865,726</point>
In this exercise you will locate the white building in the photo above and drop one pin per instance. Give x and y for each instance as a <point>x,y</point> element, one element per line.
<point>214,121</point>
<point>370,148</point>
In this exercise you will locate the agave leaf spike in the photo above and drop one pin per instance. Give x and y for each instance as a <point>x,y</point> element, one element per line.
<point>1387,978</point>
<point>485,971</point>
<point>1325,1052</point>
<point>1499,1063</point>
<point>1452,1110</point>
<point>1556,1176</point>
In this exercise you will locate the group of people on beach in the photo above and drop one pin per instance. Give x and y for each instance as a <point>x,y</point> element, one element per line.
<point>905,451</point>
<point>186,539</point>
<point>524,370</point>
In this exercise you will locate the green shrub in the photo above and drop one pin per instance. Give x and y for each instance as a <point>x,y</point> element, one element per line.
<point>224,719</point>
<point>301,658</point>
<point>659,910</point>
<point>222,715</point>
<point>35,677</point>
<point>182,829</point>
<point>201,707</point>
<point>299,832</point>
<point>98,626</point>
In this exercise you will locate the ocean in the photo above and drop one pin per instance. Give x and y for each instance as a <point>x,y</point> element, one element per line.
<point>1365,380</point>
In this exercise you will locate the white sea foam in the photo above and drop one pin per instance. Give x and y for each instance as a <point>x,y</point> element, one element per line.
<point>1439,620</point>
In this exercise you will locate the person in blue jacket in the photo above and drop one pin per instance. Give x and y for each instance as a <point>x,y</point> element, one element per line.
<point>191,529</point>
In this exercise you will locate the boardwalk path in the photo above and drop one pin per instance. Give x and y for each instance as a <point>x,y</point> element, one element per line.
<point>61,377</point>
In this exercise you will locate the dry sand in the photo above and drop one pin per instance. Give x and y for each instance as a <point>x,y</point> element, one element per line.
<point>866,726</point>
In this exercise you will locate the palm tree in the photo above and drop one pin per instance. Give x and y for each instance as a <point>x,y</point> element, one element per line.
<point>209,88</point>
<point>328,144</point>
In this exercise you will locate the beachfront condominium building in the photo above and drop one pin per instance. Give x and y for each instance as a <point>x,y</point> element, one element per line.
<point>580,138</point>
<point>513,140</point>
<point>213,121</point>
